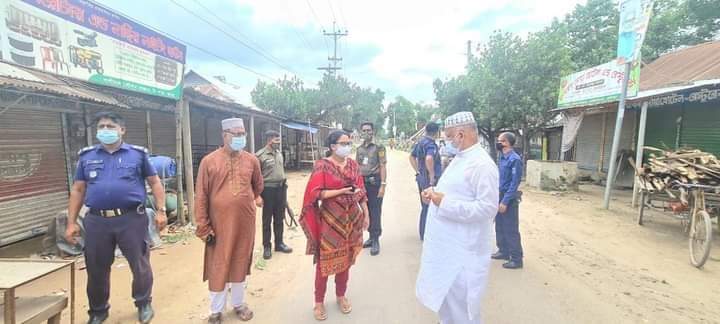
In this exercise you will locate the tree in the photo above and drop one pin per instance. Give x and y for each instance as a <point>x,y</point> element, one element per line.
<point>592,33</point>
<point>404,115</point>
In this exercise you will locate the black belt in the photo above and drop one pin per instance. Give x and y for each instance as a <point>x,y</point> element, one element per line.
<point>108,213</point>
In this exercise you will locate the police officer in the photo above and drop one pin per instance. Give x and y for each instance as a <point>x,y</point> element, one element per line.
<point>507,232</point>
<point>274,194</point>
<point>373,160</point>
<point>110,180</point>
<point>425,160</point>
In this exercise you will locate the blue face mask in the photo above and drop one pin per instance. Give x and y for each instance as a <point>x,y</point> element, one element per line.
<point>108,136</point>
<point>450,148</point>
<point>237,143</point>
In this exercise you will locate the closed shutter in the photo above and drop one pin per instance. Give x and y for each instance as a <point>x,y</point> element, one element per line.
<point>589,141</point>
<point>661,127</point>
<point>33,178</point>
<point>701,128</point>
<point>627,135</point>
<point>163,133</point>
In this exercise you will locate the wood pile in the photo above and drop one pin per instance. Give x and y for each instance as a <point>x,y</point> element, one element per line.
<point>686,166</point>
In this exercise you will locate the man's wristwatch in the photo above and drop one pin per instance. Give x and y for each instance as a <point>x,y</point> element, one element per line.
<point>162,209</point>
<point>383,183</point>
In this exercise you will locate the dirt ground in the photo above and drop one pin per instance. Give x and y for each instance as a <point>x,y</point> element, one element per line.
<point>583,264</point>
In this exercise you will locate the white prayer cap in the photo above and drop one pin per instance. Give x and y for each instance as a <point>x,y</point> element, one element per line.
<point>462,118</point>
<point>232,123</point>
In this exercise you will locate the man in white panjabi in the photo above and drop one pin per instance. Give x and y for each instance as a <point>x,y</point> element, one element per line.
<point>459,235</point>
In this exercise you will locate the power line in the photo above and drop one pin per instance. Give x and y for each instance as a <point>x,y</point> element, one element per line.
<point>232,37</point>
<point>300,35</point>
<point>342,14</point>
<point>275,59</point>
<point>332,10</point>
<point>318,21</point>
<point>199,48</point>
<point>333,61</point>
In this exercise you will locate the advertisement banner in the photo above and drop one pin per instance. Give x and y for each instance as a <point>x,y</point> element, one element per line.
<point>597,85</point>
<point>634,20</point>
<point>82,40</point>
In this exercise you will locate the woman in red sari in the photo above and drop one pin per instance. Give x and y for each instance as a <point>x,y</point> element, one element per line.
<point>334,216</point>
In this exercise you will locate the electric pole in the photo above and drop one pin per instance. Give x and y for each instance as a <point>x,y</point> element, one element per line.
<point>333,61</point>
<point>469,54</point>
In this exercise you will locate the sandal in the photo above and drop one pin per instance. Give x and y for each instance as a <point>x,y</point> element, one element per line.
<point>345,306</point>
<point>319,312</point>
<point>243,312</point>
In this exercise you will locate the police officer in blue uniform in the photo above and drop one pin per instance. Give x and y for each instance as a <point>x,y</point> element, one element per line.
<point>110,181</point>
<point>425,160</point>
<point>507,231</point>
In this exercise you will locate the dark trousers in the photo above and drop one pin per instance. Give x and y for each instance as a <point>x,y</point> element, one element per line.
<point>375,208</point>
<point>422,185</point>
<point>273,214</point>
<point>102,235</point>
<point>507,232</point>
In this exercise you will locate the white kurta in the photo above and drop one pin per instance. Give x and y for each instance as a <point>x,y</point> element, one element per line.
<point>459,234</point>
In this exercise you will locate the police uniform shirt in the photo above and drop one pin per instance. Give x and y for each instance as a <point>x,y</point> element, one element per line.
<point>370,157</point>
<point>510,175</point>
<point>272,166</point>
<point>114,180</point>
<point>427,147</point>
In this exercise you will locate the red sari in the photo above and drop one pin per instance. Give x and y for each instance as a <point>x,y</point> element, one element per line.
<point>334,226</point>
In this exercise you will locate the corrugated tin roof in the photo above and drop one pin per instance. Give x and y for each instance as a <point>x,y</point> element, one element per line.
<point>28,79</point>
<point>682,67</point>
<point>220,90</point>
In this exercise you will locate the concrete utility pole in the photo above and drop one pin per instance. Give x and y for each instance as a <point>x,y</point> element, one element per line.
<point>333,61</point>
<point>469,54</point>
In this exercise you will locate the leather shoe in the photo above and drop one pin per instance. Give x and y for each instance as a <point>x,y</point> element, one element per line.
<point>367,244</point>
<point>283,248</point>
<point>267,253</point>
<point>500,256</point>
<point>375,248</point>
<point>97,318</point>
<point>215,318</point>
<point>513,264</point>
<point>145,313</point>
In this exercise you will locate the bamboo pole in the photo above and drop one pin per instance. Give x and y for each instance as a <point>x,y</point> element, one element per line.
<point>639,150</point>
<point>189,168</point>
<point>179,162</point>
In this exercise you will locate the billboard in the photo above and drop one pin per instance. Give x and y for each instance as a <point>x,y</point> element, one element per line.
<point>597,85</point>
<point>82,40</point>
<point>634,20</point>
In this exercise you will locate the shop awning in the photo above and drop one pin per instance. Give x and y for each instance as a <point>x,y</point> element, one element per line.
<point>298,126</point>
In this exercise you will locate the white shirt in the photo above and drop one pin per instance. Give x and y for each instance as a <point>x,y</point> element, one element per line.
<point>459,234</point>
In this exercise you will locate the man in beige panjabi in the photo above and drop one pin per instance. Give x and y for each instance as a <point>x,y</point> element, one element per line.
<point>228,187</point>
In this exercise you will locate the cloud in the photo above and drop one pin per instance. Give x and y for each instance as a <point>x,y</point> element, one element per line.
<point>399,46</point>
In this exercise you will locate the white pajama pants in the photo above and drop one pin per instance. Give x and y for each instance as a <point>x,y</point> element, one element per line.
<point>454,309</point>
<point>219,299</point>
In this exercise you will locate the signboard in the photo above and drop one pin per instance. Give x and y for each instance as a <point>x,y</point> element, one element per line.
<point>82,40</point>
<point>597,85</point>
<point>634,20</point>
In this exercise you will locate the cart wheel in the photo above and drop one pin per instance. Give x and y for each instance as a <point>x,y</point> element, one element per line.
<point>700,238</point>
<point>641,208</point>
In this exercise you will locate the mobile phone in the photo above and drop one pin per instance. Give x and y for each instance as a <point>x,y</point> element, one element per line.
<point>210,239</point>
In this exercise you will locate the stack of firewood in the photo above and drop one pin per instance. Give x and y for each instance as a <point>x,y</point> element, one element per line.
<point>685,166</point>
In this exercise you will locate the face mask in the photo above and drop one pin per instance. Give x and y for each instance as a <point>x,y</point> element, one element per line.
<point>108,136</point>
<point>275,146</point>
<point>367,137</point>
<point>343,151</point>
<point>237,143</point>
<point>451,149</point>
<point>499,146</point>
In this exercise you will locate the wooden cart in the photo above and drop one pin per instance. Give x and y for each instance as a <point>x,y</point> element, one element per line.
<point>695,213</point>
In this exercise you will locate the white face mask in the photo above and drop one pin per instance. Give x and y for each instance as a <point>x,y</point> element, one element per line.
<point>343,151</point>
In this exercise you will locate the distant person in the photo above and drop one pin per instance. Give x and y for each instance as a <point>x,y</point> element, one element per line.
<point>228,187</point>
<point>507,225</point>
<point>110,180</point>
<point>456,252</point>
<point>373,167</point>
<point>334,217</point>
<point>274,194</point>
<point>425,160</point>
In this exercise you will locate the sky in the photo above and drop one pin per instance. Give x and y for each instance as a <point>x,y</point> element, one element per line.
<point>398,46</point>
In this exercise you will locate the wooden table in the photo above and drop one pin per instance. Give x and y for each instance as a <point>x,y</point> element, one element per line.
<point>17,272</point>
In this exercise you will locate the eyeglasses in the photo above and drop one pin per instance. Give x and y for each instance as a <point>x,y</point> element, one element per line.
<point>344,143</point>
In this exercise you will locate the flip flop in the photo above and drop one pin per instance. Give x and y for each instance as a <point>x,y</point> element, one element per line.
<point>320,313</point>
<point>345,306</point>
<point>243,313</point>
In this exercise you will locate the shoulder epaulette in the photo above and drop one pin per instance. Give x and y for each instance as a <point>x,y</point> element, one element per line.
<point>85,150</point>
<point>140,148</point>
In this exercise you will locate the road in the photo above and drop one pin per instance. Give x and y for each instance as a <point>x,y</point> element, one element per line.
<point>583,265</point>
